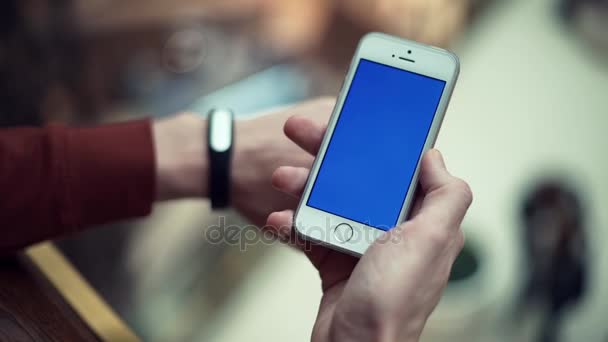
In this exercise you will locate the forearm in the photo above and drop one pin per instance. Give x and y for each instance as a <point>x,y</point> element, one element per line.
<point>181,157</point>
<point>57,180</point>
<point>54,181</point>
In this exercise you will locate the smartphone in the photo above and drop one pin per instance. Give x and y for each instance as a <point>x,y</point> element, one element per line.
<point>387,115</point>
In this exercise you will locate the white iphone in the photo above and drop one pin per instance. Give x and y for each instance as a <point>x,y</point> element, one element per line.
<point>387,115</point>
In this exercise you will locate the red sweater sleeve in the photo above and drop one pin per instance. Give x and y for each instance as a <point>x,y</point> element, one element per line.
<point>58,180</point>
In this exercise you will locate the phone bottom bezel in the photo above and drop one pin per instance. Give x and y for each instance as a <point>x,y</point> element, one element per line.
<point>318,226</point>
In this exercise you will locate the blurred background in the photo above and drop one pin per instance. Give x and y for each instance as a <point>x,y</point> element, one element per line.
<point>526,128</point>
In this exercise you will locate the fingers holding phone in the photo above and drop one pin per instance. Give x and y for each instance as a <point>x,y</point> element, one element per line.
<point>399,280</point>
<point>356,197</point>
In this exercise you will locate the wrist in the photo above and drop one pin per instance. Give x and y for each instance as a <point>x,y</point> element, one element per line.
<point>181,157</point>
<point>240,172</point>
<point>220,137</point>
<point>391,330</point>
<point>370,327</point>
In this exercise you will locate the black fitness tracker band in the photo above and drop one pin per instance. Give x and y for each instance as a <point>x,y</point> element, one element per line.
<point>220,138</point>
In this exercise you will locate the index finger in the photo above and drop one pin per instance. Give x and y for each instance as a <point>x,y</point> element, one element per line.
<point>305,133</point>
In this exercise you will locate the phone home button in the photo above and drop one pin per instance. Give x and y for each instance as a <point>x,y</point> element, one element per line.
<point>343,232</point>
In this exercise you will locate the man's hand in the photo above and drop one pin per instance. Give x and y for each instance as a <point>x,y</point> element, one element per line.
<point>259,148</point>
<point>389,293</point>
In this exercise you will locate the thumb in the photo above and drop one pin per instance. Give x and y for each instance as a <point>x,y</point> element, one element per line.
<point>433,172</point>
<point>445,197</point>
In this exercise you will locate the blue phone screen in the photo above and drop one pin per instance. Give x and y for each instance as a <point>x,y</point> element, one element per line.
<point>376,144</point>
